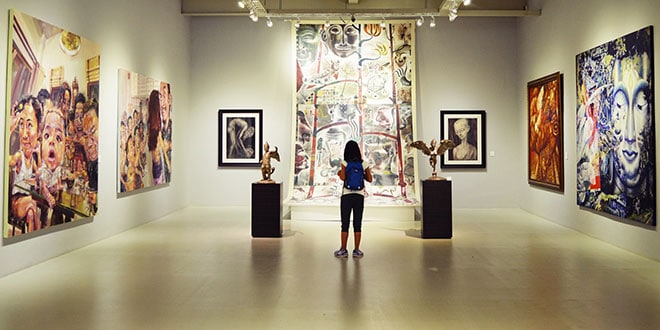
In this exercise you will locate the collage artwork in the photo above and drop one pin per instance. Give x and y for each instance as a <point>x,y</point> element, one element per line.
<point>354,82</point>
<point>615,128</point>
<point>145,132</point>
<point>51,142</point>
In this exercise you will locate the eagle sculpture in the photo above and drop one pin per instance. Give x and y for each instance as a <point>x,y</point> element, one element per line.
<point>433,151</point>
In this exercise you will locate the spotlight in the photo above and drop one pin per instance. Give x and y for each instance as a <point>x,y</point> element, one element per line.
<point>327,24</point>
<point>297,24</point>
<point>382,23</point>
<point>352,18</point>
<point>467,2</point>
<point>269,22</point>
<point>453,14</point>
<point>420,21</point>
<point>253,16</point>
<point>432,24</point>
<point>241,4</point>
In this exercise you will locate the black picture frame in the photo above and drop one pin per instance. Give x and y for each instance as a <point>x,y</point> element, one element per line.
<point>472,154</point>
<point>240,134</point>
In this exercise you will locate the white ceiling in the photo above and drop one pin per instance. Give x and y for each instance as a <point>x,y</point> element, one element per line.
<point>364,8</point>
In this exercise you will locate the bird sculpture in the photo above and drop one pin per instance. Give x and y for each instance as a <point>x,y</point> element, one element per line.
<point>433,151</point>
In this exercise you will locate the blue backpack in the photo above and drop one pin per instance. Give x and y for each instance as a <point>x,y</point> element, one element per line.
<point>354,179</point>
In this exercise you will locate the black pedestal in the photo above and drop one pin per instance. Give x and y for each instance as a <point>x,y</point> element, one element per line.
<point>436,209</point>
<point>266,210</point>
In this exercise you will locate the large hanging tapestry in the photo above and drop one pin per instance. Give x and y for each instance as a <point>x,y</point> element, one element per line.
<point>145,132</point>
<point>51,136</point>
<point>615,128</point>
<point>354,82</point>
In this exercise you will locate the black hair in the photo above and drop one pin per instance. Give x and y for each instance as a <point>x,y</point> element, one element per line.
<point>153,120</point>
<point>80,98</point>
<point>36,105</point>
<point>91,105</point>
<point>43,95</point>
<point>352,152</point>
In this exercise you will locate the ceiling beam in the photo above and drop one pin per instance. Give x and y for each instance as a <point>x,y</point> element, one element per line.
<point>498,13</point>
<point>264,8</point>
<point>302,14</point>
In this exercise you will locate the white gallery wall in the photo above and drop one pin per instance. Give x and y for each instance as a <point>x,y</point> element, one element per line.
<point>549,44</point>
<point>469,64</point>
<point>236,64</point>
<point>150,37</point>
<point>232,63</point>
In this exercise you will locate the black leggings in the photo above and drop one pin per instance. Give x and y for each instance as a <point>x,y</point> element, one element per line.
<point>355,203</point>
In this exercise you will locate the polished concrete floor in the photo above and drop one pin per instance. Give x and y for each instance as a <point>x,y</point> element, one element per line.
<point>200,269</point>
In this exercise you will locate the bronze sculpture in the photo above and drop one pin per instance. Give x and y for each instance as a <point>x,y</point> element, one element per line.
<point>266,168</point>
<point>432,151</point>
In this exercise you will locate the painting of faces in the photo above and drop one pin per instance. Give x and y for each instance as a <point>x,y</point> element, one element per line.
<point>145,132</point>
<point>615,128</point>
<point>51,163</point>
<point>354,82</point>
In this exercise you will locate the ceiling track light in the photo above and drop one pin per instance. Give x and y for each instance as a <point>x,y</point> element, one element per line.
<point>450,7</point>
<point>453,8</point>
<point>453,14</point>
<point>255,8</point>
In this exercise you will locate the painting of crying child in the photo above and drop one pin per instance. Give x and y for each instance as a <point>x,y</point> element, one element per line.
<point>51,134</point>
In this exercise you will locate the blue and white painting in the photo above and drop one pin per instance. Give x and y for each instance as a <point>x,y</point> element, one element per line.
<point>615,128</point>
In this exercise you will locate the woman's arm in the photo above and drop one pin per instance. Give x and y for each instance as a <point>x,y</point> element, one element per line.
<point>367,175</point>
<point>342,172</point>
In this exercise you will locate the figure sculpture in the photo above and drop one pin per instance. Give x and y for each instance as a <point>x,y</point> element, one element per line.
<point>266,168</point>
<point>432,151</point>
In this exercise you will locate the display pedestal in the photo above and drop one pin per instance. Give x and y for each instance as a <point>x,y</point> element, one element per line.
<point>266,210</point>
<point>436,209</point>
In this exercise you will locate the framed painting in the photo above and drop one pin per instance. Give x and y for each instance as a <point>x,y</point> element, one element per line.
<point>545,146</point>
<point>615,122</point>
<point>467,128</point>
<point>239,138</point>
<point>51,134</point>
<point>144,112</point>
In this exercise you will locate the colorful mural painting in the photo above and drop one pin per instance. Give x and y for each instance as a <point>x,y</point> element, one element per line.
<point>145,132</point>
<point>545,127</point>
<point>51,136</point>
<point>354,82</point>
<point>615,128</point>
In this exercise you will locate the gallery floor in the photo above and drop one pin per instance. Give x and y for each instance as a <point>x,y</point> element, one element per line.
<point>200,269</point>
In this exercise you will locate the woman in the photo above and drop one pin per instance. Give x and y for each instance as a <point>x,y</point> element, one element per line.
<point>352,200</point>
<point>155,142</point>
